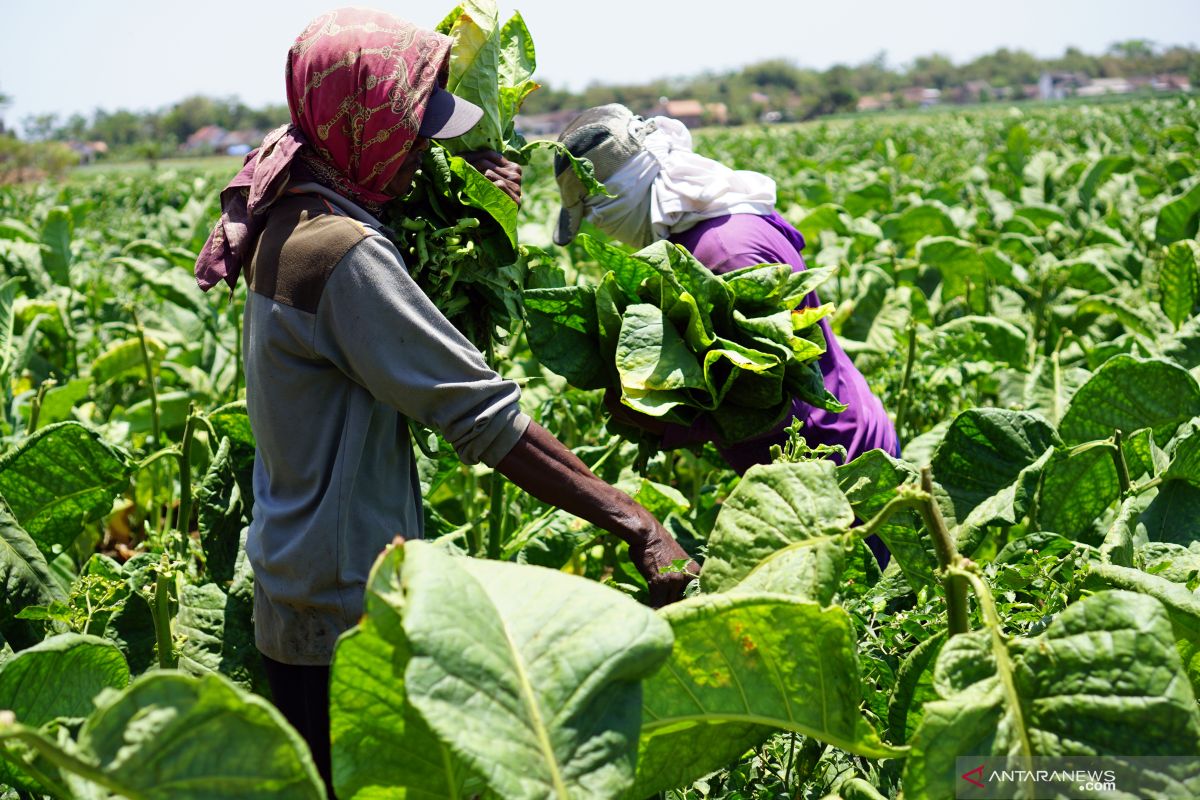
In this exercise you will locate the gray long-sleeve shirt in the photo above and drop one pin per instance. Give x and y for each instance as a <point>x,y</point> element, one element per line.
<point>340,347</point>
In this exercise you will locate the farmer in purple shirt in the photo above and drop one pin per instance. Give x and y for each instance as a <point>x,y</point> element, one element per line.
<point>727,219</point>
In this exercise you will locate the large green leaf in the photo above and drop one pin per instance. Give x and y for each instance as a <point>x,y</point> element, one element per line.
<point>986,339</point>
<point>219,634</point>
<point>913,688</point>
<point>176,286</point>
<point>773,507</point>
<point>562,657</point>
<point>59,678</point>
<point>56,236</point>
<point>56,680</point>
<point>25,578</point>
<point>219,514</point>
<point>916,223</point>
<point>745,666</point>
<point>170,736</point>
<point>870,482</point>
<point>1104,678</point>
<point>989,463</point>
<point>1179,218</point>
<point>381,744</point>
<point>474,70</point>
<point>8,295</point>
<point>1128,394</point>
<point>382,748</point>
<point>1174,514</point>
<point>1183,608</point>
<point>1178,281</point>
<point>651,356</point>
<point>481,193</point>
<point>233,423</point>
<point>59,479</point>
<point>1075,490</point>
<point>563,334</point>
<point>1099,172</point>
<point>959,262</point>
<point>124,358</point>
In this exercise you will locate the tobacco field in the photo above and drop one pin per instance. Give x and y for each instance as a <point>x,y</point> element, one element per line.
<point>1017,284</point>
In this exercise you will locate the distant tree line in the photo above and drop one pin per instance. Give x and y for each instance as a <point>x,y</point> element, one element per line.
<point>794,92</point>
<point>799,92</point>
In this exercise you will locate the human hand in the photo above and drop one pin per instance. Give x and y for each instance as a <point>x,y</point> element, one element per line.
<point>627,416</point>
<point>658,557</point>
<point>504,174</point>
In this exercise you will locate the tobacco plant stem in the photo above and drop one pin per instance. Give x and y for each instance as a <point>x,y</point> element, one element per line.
<point>185,479</point>
<point>141,332</point>
<point>1118,456</point>
<point>1004,666</point>
<point>162,618</point>
<point>495,516</point>
<point>35,407</point>
<point>957,616</point>
<point>905,385</point>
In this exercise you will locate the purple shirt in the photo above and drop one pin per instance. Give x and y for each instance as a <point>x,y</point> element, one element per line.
<point>733,241</point>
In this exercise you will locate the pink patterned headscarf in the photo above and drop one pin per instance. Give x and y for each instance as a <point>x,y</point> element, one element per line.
<point>358,82</point>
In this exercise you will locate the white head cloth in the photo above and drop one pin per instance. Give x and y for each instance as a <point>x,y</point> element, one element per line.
<point>677,186</point>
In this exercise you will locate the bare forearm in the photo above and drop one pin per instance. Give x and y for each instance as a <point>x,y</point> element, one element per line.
<point>542,466</point>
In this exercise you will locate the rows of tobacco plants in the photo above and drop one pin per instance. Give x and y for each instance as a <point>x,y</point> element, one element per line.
<point>1018,286</point>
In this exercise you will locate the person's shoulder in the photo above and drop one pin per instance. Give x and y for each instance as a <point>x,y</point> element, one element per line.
<point>302,242</point>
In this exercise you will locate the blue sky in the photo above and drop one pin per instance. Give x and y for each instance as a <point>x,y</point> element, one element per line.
<point>63,56</point>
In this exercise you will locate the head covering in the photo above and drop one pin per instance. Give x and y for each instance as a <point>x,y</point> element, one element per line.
<point>359,84</point>
<point>661,188</point>
<point>608,136</point>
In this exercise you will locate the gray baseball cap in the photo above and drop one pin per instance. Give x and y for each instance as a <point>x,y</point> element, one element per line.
<point>603,135</point>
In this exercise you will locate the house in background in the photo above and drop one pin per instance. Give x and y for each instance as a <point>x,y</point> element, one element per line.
<point>207,139</point>
<point>973,92</point>
<point>921,96</point>
<point>689,112</point>
<point>544,126</point>
<point>1171,83</point>
<point>874,102</point>
<point>1103,86</point>
<point>1059,85</point>
<point>215,139</point>
<point>88,152</point>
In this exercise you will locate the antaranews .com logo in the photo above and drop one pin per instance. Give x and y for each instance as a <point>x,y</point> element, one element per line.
<point>1085,777</point>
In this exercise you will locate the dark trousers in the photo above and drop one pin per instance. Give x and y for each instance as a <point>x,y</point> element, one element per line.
<point>301,693</point>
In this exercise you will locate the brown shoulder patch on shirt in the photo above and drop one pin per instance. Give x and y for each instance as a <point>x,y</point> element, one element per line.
<point>301,244</point>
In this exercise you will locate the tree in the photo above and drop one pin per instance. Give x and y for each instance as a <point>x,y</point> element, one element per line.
<point>40,127</point>
<point>933,70</point>
<point>190,115</point>
<point>774,73</point>
<point>1133,49</point>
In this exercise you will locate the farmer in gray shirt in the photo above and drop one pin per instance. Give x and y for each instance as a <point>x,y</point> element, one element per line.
<point>342,349</point>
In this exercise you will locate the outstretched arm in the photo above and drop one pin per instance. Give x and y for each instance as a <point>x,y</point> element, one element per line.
<point>542,466</point>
